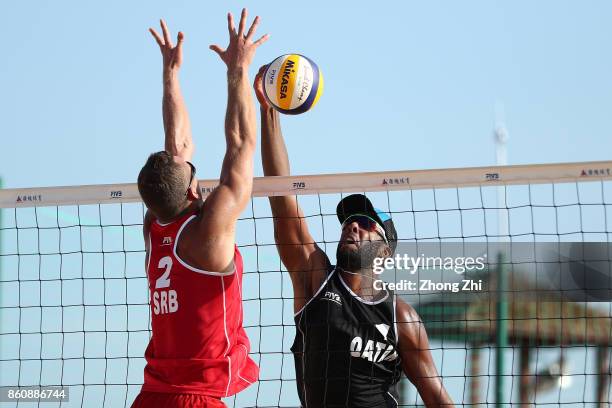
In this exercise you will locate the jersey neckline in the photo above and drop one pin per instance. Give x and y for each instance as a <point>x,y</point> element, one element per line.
<point>367,302</point>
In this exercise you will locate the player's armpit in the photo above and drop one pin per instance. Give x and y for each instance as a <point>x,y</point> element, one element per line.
<point>207,250</point>
<point>308,276</point>
<point>214,229</point>
<point>417,361</point>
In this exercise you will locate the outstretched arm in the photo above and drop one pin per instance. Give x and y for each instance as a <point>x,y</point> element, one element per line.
<point>305,261</point>
<point>224,204</point>
<point>177,127</point>
<point>417,361</point>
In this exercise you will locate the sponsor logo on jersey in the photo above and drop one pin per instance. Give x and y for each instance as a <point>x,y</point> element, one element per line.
<point>167,241</point>
<point>333,297</point>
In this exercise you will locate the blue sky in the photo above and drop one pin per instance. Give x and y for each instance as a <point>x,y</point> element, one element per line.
<point>408,85</point>
<point>418,82</point>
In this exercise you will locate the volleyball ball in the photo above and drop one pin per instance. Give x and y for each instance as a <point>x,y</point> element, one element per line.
<point>293,84</point>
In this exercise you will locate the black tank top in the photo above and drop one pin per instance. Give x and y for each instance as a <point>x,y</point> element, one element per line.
<point>345,349</point>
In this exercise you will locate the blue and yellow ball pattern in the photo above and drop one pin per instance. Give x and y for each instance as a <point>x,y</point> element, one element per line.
<point>293,84</point>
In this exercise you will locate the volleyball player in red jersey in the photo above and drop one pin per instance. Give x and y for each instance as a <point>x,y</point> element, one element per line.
<point>198,352</point>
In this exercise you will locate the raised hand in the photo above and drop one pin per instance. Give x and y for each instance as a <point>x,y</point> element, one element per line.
<point>241,49</point>
<point>172,55</point>
<point>259,88</point>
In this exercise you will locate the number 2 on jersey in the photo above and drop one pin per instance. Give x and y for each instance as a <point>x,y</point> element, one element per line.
<point>164,280</point>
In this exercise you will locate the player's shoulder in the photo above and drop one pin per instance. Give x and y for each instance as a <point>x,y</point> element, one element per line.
<point>405,313</point>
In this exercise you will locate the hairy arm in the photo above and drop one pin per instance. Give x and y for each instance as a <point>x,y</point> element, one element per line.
<point>176,119</point>
<point>417,362</point>
<point>305,261</point>
<point>177,127</point>
<point>236,179</point>
<point>224,204</point>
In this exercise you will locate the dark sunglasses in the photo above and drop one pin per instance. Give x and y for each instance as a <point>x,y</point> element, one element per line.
<point>366,223</point>
<point>193,172</point>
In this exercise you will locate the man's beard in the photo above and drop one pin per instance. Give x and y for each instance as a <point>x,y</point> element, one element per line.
<point>354,259</point>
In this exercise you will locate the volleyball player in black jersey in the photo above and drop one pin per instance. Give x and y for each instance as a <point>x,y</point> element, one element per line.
<point>352,342</point>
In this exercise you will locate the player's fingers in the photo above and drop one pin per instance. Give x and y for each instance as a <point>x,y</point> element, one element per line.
<point>257,80</point>
<point>262,40</point>
<point>217,49</point>
<point>260,74</point>
<point>253,28</point>
<point>258,83</point>
<point>158,39</point>
<point>166,32</point>
<point>230,24</point>
<point>179,47</point>
<point>180,37</point>
<point>242,23</point>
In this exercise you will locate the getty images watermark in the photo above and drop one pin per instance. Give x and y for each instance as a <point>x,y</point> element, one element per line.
<point>458,265</point>
<point>458,271</point>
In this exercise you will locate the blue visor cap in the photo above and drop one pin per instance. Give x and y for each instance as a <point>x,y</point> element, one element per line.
<point>359,204</point>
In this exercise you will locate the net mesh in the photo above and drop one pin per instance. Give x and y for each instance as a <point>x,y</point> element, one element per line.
<point>74,305</point>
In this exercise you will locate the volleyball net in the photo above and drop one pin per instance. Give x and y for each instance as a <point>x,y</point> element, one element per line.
<point>74,308</point>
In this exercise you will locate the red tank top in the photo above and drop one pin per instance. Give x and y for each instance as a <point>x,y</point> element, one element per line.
<point>198,344</point>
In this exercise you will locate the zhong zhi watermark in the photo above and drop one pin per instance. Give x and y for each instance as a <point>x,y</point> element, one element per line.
<point>570,271</point>
<point>428,285</point>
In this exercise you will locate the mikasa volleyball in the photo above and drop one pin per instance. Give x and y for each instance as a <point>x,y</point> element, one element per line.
<point>293,84</point>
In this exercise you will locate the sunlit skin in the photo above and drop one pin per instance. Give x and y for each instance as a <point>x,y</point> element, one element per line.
<point>205,241</point>
<point>308,264</point>
<point>353,238</point>
<point>208,241</point>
